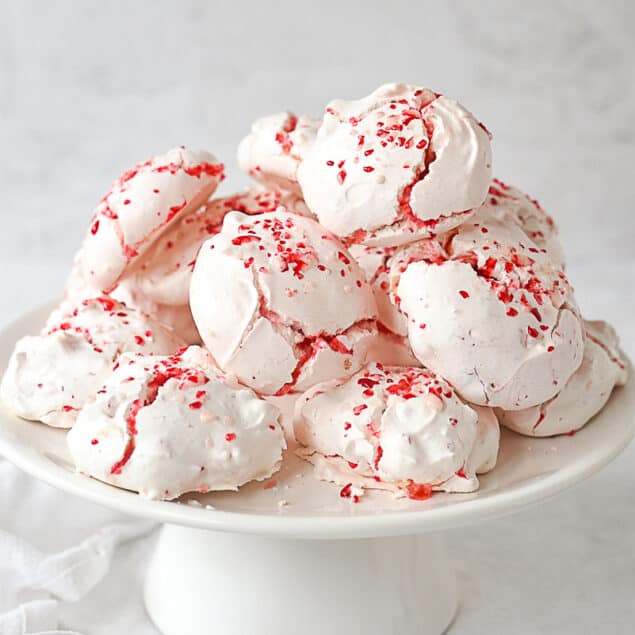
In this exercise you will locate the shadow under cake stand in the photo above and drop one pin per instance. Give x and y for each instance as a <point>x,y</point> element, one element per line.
<point>291,556</point>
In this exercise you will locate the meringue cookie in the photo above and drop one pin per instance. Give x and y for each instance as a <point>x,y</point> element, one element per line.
<point>163,426</point>
<point>177,318</point>
<point>281,303</point>
<point>51,376</point>
<point>401,164</point>
<point>377,262</point>
<point>391,346</point>
<point>374,264</point>
<point>397,428</point>
<point>275,147</point>
<point>140,205</point>
<point>495,317</point>
<point>584,395</point>
<point>509,204</point>
<point>484,454</point>
<point>390,349</point>
<point>164,273</point>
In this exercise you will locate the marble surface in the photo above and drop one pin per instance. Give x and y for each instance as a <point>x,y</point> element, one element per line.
<point>87,89</point>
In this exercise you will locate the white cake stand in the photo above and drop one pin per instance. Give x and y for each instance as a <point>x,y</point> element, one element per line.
<point>294,557</point>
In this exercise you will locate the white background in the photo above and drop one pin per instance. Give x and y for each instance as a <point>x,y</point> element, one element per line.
<point>89,88</point>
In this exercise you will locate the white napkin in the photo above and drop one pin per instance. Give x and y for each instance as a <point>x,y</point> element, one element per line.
<point>34,584</point>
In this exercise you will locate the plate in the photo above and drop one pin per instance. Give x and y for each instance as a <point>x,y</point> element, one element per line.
<point>294,504</point>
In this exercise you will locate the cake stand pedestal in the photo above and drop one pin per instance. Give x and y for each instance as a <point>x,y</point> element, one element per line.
<point>290,556</point>
<point>253,585</point>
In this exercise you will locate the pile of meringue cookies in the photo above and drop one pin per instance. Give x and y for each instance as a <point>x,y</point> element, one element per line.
<point>375,273</point>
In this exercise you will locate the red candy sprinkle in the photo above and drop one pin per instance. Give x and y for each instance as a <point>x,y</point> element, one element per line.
<point>239,240</point>
<point>346,491</point>
<point>419,491</point>
<point>378,455</point>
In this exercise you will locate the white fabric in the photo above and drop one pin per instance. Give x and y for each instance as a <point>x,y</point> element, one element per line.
<point>40,585</point>
<point>38,581</point>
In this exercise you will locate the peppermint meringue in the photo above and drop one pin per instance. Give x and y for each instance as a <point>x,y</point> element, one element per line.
<point>390,349</point>
<point>51,376</point>
<point>275,147</point>
<point>377,262</point>
<point>509,204</point>
<point>140,205</point>
<point>400,164</point>
<point>391,346</point>
<point>177,317</point>
<point>396,428</point>
<point>164,272</point>
<point>281,303</point>
<point>494,316</point>
<point>374,263</point>
<point>163,426</point>
<point>583,396</point>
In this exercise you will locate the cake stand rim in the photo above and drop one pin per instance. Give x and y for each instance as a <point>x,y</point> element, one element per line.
<point>319,527</point>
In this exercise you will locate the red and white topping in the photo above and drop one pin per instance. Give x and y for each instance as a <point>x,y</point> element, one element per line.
<point>163,426</point>
<point>401,164</point>
<point>396,428</point>
<point>281,303</point>
<point>494,316</point>
<point>164,272</point>
<point>177,318</point>
<point>140,205</point>
<point>509,204</point>
<point>51,376</point>
<point>275,147</point>
<point>583,396</point>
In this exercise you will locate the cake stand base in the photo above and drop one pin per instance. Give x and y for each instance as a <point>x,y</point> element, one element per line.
<point>202,582</point>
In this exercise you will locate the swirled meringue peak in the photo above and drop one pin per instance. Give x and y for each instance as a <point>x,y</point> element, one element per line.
<point>275,147</point>
<point>583,396</point>
<point>494,316</point>
<point>400,164</point>
<point>51,376</point>
<point>397,428</point>
<point>141,204</point>
<point>280,302</point>
<point>163,426</point>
